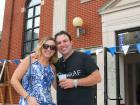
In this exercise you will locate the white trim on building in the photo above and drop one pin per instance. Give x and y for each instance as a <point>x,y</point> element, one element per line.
<point>117,15</point>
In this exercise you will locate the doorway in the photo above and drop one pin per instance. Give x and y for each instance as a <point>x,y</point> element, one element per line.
<point>132,79</point>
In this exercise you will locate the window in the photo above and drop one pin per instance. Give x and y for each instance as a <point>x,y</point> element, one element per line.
<point>32,26</point>
<point>128,37</point>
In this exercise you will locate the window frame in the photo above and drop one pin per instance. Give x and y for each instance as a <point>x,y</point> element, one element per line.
<point>29,41</point>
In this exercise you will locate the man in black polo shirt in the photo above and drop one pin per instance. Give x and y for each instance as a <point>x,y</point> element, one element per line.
<point>77,73</point>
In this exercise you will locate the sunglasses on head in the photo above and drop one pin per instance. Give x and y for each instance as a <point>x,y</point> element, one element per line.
<point>46,46</point>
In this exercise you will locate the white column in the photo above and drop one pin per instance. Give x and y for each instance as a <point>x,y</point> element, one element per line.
<point>100,86</point>
<point>59,15</point>
<point>59,23</point>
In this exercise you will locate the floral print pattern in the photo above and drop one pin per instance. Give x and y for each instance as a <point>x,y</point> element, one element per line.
<point>37,82</point>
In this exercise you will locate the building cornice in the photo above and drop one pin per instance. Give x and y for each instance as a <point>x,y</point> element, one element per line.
<point>109,8</point>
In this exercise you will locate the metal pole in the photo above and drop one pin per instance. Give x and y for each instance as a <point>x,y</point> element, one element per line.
<point>105,77</point>
<point>117,80</point>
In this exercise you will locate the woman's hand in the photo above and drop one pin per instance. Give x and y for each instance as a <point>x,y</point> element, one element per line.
<point>32,101</point>
<point>34,56</point>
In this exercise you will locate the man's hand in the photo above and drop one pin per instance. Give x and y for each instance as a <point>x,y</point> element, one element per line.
<point>66,83</point>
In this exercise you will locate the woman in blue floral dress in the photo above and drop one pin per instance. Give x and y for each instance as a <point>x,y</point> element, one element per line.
<point>37,75</point>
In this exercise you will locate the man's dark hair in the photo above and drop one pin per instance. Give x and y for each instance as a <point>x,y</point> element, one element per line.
<point>63,32</point>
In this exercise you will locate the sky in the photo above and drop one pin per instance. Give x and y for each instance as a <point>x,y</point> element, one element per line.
<point>2,3</point>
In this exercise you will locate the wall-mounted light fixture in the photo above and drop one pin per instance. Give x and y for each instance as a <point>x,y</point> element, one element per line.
<point>78,22</point>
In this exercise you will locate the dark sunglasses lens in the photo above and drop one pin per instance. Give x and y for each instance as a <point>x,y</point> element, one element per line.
<point>46,46</point>
<point>52,47</point>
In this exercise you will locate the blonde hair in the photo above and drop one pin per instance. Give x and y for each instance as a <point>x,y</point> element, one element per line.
<point>39,48</point>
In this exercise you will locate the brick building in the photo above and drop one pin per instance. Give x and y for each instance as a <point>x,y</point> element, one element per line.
<point>26,21</point>
<point>107,23</point>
